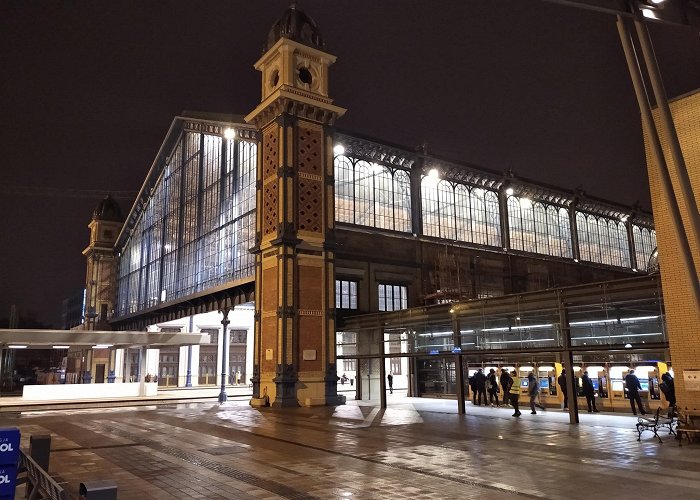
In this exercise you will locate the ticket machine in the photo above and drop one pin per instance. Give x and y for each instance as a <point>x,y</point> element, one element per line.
<point>617,384</point>
<point>523,372</point>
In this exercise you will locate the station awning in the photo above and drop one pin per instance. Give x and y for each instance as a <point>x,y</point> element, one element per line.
<point>50,339</point>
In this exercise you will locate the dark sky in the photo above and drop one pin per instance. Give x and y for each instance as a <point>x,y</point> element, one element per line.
<point>88,90</point>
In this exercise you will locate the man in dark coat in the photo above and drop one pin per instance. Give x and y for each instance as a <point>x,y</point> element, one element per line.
<point>480,386</point>
<point>493,387</point>
<point>505,384</point>
<point>589,392</point>
<point>668,388</point>
<point>562,384</point>
<point>633,388</point>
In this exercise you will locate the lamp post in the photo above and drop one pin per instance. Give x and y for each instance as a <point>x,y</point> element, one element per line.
<point>224,344</point>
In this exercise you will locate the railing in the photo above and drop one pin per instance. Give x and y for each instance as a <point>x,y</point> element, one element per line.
<point>40,485</point>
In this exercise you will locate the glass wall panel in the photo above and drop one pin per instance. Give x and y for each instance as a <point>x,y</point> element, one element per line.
<point>602,240</point>
<point>197,227</point>
<point>644,245</point>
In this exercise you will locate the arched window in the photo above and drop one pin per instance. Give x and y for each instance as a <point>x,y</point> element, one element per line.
<point>584,241</point>
<point>383,197</point>
<point>429,200</point>
<point>644,245</point>
<point>492,218</point>
<point>623,248</point>
<point>344,197</point>
<point>515,224</point>
<point>364,194</point>
<point>462,215</point>
<point>565,233</point>
<point>402,201</point>
<point>541,229</point>
<point>447,210</point>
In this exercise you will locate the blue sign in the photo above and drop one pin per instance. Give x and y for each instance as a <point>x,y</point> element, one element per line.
<point>8,478</point>
<point>9,446</point>
<point>9,457</point>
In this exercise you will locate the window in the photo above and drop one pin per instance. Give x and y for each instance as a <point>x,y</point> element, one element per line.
<point>392,297</point>
<point>644,245</point>
<point>345,294</point>
<point>371,194</point>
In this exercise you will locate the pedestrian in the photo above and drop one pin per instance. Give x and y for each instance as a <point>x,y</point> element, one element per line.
<point>667,386</point>
<point>514,392</point>
<point>238,377</point>
<point>505,381</point>
<point>589,392</point>
<point>533,390</point>
<point>493,387</point>
<point>390,379</point>
<point>480,385</point>
<point>564,389</point>
<point>633,388</point>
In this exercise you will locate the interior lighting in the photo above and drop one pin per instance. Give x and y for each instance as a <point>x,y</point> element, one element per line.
<point>229,133</point>
<point>649,14</point>
<point>102,346</point>
<point>610,321</point>
<point>339,149</point>
<point>509,328</point>
<point>17,346</point>
<point>628,346</point>
<point>525,202</point>
<point>434,174</point>
<point>61,347</point>
<point>624,218</point>
<point>510,191</point>
<point>518,341</point>
<point>618,336</point>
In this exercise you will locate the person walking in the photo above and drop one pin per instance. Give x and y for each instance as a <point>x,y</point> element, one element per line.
<point>480,386</point>
<point>493,387</point>
<point>505,381</point>
<point>390,379</point>
<point>533,390</point>
<point>564,389</point>
<point>633,388</point>
<point>589,392</point>
<point>514,392</point>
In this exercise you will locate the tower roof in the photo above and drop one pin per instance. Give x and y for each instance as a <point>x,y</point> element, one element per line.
<point>295,25</point>
<point>108,210</point>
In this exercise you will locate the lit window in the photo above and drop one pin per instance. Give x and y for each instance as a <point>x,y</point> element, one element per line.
<point>345,294</point>
<point>392,297</point>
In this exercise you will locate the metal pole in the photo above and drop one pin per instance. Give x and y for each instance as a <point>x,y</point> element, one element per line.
<point>662,167</point>
<point>686,189</point>
<point>459,369</point>
<point>568,359</point>
<point>224,344</point>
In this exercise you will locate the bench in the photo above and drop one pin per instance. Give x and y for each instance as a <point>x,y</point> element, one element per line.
<point>649,424</point>
<point>670,421</point>
<point>687,426</point>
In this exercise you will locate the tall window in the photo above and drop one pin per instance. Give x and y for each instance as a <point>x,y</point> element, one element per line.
<point>345,294</point>
<point>538,227</point>
<point>392,297</point>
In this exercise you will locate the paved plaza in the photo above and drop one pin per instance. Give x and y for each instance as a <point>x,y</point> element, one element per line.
<point>417,448</point>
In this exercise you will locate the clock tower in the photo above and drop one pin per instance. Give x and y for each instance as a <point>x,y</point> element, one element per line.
<point>294,353</point>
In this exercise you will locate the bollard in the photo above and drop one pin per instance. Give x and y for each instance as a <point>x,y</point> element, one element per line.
<point>98,490</point>
<point>40,449</point>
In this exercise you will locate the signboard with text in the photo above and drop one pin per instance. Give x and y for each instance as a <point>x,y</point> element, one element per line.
<point>9,456</point>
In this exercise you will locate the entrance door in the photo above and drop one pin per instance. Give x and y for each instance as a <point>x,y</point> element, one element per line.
<point>169,365</point>
<point>100,374</point>
<point>208,358</point>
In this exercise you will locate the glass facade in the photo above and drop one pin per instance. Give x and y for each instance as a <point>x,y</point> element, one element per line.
<point>197,227</point>
<point>460,212</point>
<point>603,240</point>
<point>370,194</point>
<point>539,228</point>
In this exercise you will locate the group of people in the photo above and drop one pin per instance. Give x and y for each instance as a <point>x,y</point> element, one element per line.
<point>481,383</point>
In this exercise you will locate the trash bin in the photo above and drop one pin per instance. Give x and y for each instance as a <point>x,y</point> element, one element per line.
<point>98,490</point>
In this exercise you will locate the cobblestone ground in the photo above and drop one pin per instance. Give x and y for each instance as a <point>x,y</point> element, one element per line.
<point>414,449</point>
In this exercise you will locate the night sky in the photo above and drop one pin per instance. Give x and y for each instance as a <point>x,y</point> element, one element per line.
<point>88,90</point>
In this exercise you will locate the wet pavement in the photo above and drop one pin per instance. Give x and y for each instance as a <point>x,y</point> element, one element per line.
<point>417,448</point>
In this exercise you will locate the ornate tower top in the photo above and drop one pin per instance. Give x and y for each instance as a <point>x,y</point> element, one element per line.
<point>108,210</point>
<point>294,71</point>
<point>295,25</point>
